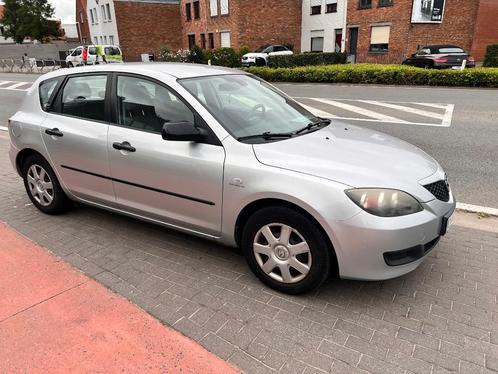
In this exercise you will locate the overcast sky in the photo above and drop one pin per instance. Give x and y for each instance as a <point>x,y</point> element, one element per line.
<point>64,10</point>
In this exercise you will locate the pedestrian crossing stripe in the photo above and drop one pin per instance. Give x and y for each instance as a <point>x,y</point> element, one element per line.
<point>15,86</point>
<point>426,116</point>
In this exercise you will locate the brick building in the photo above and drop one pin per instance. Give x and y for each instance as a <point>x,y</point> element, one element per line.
<point>233,23</point>
<point>387,31</point>
<point>146,25</point>
<point>82,21</point>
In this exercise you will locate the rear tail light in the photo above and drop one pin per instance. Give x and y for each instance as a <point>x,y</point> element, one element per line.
<point>471,59</point>
<point>441,59</point>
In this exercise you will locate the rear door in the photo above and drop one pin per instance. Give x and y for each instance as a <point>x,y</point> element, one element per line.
<point>75,135</point>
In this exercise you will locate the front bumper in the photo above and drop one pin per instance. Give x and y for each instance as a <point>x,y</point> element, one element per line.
<point>376,248</point>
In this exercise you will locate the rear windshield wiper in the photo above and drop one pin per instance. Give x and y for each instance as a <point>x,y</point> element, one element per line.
<point>321,122</point>
<point>267,136</point>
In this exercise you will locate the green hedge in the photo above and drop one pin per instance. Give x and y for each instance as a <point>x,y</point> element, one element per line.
<point>306,59</point>
<point>380,74</point>
<point>491,59</point>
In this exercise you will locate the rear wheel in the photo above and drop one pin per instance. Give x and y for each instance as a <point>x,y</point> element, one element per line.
<point>42,186</point>
<point>286,250</point>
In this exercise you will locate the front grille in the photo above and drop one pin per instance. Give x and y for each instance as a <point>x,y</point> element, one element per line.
<point>440,190</point>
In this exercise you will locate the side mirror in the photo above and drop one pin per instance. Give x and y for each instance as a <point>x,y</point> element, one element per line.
<point>414,54</point>
<point>182,131</point>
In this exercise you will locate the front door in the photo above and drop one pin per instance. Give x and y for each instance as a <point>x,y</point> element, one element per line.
<point>179,183</point>
<point>353,42</point>
<point>75,135</point>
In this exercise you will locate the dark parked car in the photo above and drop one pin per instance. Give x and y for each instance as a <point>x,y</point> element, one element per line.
<point>440,57</point>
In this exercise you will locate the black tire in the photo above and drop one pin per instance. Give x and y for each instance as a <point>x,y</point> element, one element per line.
<point>321,253</point>
<point>60,202</point>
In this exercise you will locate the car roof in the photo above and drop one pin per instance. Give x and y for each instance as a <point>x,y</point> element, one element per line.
<point>438,46</point>
<point>177,70</point>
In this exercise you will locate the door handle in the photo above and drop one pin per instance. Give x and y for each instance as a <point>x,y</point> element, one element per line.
<point>54,132</point>
<point>124,146</point>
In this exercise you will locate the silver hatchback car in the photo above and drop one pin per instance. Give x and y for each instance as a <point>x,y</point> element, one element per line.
<point>223,155</point>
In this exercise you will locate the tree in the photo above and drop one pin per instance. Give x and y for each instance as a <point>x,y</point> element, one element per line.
<point>29,18</point>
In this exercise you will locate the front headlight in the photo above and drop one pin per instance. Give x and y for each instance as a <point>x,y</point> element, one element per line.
<point>384,203</point>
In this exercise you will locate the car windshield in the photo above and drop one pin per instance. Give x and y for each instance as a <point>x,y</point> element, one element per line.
<point>247,106</point>
<point>261,49</point>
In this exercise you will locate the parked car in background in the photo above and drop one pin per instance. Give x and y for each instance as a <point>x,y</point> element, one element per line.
<point>225,156</point>
<point>440,57</point>
<point>93,55</point>
<point>260,56</point>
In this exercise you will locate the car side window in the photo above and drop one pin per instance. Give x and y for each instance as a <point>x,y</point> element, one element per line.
<point>424,52</point>
<point>46,89</point>
<point>84,97</point>
<point>77,52</point>
<point>268,50</point>
<point>279,48</point>
<point>146,105</point>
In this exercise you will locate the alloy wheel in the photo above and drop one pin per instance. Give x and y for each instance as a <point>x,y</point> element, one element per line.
<point>40,185</point>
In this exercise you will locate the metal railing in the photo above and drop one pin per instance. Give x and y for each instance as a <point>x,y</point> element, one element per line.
<point>31,65</point>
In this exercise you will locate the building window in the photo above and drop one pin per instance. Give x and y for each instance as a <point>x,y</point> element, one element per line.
<point>317,9</point>
<point>317,41</point>
<point>108,9</point>
<point>379,38</point>
<point>197,10</point>
<point>104,15</point>
<point>331,7</point>
<point>210,40</point>
<point>81,17</point>
<point>101,40</point>
<point>338,40</point>
<point>225,39</point>
<point>91,16</point>
<point>111,39</point>
<point>188,11</point>
<point>224,7</point>
<point>96,15</point>
<point>213,6</point>
<point>191,41</point>
<point>203,41</point>
<point>105,39</point>
<point>95,40</point>
<point>365,4</point>
<point>385,3</point>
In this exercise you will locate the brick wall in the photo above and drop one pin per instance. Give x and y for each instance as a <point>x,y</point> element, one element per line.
<point>457,28</point>
<point>145,27</point>
<point>83,28</point>
<point>486,28</point>
<point>253,23</point>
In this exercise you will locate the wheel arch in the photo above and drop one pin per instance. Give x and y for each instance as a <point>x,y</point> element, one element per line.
<point>23,155</point>
<point>256,205</point>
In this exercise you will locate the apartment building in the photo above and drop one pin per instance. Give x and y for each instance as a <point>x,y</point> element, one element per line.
<point>102,22</point>
<point>233,23</point>
<point>82,22</point>
<point>323,25</point>
<point>388,31</point>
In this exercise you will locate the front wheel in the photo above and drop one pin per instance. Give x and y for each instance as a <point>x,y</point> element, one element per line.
<point>286,250</point>
<point>42,186</point>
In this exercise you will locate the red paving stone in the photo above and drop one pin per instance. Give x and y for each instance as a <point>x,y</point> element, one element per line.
<point>54,319</point>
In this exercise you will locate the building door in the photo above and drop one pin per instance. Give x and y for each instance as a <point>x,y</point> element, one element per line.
<point>338,40</point>
<point>353,43</point>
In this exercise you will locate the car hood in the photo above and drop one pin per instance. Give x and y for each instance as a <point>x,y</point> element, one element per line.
<point>351,155</point>
<point>254,55</point>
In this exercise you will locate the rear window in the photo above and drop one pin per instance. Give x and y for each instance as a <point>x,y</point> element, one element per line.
<point>451,50</point>
<point>92,51</point>
<point>46,89</point>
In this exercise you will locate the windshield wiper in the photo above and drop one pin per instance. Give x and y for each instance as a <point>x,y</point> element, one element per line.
<point>321,122</point>
<point>267,136</point>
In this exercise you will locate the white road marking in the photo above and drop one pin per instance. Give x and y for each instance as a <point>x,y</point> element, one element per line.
<point>3,128</point>
<point>318,112</point>
<point>362,111</point>
<point>5,82</point>
<point>445,118</point>
<point>477,209</point>
<point>17,85</point>
<point>419,112</point>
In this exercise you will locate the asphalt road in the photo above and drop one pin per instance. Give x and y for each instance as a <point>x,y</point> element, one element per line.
<point>458,127</point>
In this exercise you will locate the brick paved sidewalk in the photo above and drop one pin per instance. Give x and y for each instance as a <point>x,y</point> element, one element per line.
<point>54,319</point>
<point>441,318</point>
